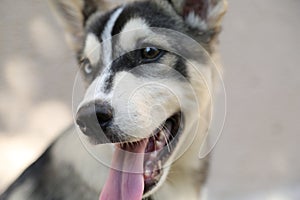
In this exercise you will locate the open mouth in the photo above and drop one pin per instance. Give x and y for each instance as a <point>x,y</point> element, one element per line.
<point>155,150</point>
<point>158,149</point>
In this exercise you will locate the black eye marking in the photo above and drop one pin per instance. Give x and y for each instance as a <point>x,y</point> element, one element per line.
<point>151,54</point>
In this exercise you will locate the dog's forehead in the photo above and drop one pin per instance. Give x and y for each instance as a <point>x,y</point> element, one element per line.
<point>154,14</point>
<point>139,15</point>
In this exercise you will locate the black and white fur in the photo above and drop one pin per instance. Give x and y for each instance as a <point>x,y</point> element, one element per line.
<point>66,170</point>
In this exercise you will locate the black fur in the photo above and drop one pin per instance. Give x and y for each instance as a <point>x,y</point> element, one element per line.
<point>150,12</point>
<point>133,59</point>
<point>88,9</point>
<point>48,182</point>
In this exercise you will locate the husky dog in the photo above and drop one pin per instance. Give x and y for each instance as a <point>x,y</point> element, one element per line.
<point>147,103</point>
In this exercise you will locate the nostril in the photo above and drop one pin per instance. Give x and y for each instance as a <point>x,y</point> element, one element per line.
<point>81,125</point>
<point>104,114</point>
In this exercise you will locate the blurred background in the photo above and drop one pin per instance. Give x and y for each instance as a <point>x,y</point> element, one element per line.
<point>257,157</point>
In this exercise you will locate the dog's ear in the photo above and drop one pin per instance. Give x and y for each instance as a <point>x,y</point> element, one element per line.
<point>203,15</point>
<point>73,14</point>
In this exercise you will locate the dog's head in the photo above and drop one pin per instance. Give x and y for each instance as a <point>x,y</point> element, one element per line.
<point>147,80</point>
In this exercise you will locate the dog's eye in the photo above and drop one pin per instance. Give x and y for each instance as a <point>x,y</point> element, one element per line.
<point>151,53</point>
<point>87,67</point>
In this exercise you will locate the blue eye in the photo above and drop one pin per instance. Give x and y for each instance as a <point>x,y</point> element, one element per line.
<point>150,53</point>
<point>87,67</point>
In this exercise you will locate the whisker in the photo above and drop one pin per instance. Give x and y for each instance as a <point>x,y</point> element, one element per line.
<point>166,139</point>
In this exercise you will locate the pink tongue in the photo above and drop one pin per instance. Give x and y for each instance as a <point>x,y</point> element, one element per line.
<point>127,184</point>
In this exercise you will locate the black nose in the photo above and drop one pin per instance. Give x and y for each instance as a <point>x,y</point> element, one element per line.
<point>94,117</point>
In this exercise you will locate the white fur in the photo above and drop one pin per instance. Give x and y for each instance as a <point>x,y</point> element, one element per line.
<point>212,18</point>
<point>95,90</point>
<point>106,36</point>
<point>134,30</point>
<point>134,100</point>
<point>215,12</point>
<point>195,21</point>
<point>92,48</point>
<point>82,162</point>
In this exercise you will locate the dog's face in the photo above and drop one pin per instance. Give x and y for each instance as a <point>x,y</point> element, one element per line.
<point>147,83</point>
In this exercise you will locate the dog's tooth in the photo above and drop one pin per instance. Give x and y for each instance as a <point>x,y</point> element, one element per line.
<point>159,144</point>
<point>159,164</point>
<point>155,172</point>
<point>161,136</point>
<point>147,173</point>
<point>153,155</point>
<point>148,164</point>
